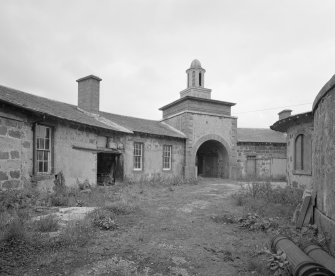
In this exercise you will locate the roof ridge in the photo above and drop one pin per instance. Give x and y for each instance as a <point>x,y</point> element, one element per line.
<point>126,116</point>
<point>41,97</point>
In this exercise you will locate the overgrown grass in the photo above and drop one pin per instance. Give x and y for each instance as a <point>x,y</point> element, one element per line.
<point>262,198</point>
<point>46,224</point>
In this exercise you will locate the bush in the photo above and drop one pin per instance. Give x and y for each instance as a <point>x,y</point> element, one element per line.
<point>47,224</point>
<point>59,200</point>
<point>103,219</point>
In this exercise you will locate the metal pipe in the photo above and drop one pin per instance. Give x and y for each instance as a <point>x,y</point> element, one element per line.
<point>302,265</point>
<point>320,256</point>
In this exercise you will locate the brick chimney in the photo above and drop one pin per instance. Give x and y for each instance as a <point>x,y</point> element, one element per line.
<point>89,93</point>
<point>284,114</point>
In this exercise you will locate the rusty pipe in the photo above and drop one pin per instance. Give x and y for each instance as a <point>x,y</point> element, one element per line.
<point>320,256</point>
<point>301,264</point>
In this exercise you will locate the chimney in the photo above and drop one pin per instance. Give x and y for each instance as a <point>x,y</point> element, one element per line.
<point>89,93</point>
<point>284,114</point>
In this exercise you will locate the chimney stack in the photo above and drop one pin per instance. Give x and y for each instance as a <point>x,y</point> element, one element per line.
<point>284,114</point>
<point>89,93</point>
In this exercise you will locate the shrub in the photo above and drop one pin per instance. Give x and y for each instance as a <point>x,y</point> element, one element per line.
<point>103,219</point>
<point>47,224</point>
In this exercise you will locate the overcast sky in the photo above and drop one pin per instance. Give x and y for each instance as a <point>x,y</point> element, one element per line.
<point>259,54</point>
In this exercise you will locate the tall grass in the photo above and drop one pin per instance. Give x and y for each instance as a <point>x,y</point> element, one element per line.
<point>262,198</point>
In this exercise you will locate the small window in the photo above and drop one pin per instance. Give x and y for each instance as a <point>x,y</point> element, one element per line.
<point>138,156</point>
<point>167,157</point>
<point>43,149</point>
<point>200,79</point>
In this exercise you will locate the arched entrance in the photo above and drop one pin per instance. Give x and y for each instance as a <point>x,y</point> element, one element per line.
<point>212,160</point>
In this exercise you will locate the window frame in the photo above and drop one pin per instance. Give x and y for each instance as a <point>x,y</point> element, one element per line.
<point>305,167</point>
<point>37,148</point>
<point>169,156</point>
<point>137,155</point>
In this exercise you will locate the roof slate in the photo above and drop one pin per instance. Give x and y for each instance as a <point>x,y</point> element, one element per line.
<point>260,135</point>
<point>72,113</point>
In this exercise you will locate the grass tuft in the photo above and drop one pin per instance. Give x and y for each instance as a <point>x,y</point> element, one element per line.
<point>46,224</point>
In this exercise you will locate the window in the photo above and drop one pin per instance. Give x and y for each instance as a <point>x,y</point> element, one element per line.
<point>299,152</point>
<point>43,149</point>
<point>138,156</point>
<point>167,157</point>
<point>199,79</point>
<point>302,154</point>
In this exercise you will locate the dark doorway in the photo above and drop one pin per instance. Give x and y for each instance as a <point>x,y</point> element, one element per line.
<point>212,160</point>
<point>109,168</point>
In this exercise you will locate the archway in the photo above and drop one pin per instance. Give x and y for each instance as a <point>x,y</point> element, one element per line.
<point>212,160</point>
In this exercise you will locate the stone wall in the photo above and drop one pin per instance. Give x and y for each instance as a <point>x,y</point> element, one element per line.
<point>324,160</point>
<point>200,128</point>
<point>153,157</point>
<point>269,158</point>
<point>199,106</point>
<point>15,149</point>
<point>296,178</point>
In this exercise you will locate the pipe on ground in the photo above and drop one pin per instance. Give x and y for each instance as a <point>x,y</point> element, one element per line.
<point>302,265</point>
<point>320,256</point>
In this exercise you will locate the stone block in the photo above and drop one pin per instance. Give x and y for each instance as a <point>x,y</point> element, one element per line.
<point>3,130</point>
<point>11,123</point>
<point>15,174</point>
<point>4,155</point>
<point>3,176</point>
<point>26,144</point>
<point>11,184</point>
<point>14,154</point>
<point>15,133</point>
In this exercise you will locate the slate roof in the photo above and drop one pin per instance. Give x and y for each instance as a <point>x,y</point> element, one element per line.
<point>260,135</point>
<point>72,113</point>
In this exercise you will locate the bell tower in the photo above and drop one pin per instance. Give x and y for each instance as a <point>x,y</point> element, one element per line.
<point>196,81</point>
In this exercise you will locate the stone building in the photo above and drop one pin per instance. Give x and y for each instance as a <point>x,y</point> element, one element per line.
<point>196,136</point>
<point>261,154</point>
<point>324,160</point>
<point>299,130</point>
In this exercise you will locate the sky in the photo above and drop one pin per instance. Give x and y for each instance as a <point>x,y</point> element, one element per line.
<point>263,55</point>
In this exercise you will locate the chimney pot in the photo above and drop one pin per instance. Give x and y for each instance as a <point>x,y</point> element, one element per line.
<point>284,114</point>
<point>89,93</point>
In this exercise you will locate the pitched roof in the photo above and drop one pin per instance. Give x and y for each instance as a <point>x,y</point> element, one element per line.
<point>260,135</point>
<point>72,113</point>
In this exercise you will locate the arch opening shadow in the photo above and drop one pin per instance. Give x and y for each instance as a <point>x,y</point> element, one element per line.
<point>212,160</point>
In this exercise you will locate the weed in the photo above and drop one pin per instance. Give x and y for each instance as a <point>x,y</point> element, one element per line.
<point>268,201</point>
<point>14,230</point>
<point>103,219</point>
<point>76,233</point>
<point>46,224</point>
